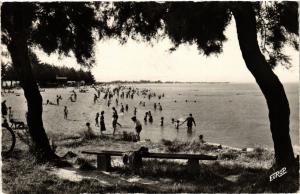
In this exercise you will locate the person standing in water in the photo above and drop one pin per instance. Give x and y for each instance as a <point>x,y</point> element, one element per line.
<point>160,107</point>
<point>102,124</point>
<point>154,106</point>
<point>146,117</point>
<point>162,121</point>
<point>150,117</point>
<point>66,112</point>
<point>177,124</point>
<point>122,108</point>
<point>96,120</point>
<point>138,126</point>
<point>190,121</point>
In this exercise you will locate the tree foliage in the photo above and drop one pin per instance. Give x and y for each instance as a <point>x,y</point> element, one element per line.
<point>278,25</point>
<point>74,27</point>
<point>204,23</point>
<point>46,73</point>
<point>58,26</point>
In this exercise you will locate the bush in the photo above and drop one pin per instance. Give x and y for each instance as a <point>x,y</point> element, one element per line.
<point>129,136</point>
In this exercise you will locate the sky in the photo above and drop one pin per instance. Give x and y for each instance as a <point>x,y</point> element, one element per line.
<point>141,61</point>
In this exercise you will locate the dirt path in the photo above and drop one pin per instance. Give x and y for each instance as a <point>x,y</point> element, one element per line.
<point>110,179</point>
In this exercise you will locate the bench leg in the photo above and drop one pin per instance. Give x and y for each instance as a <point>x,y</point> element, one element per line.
<point>137,163</point>
<point>193,165</point>
<point>103,162</point>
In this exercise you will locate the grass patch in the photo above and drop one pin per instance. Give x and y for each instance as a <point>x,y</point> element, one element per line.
<point>234,171</point>
<point>22,174</point>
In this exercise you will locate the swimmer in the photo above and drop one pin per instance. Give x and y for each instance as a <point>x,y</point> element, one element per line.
<point>162,121</point>
<point>172,120</point>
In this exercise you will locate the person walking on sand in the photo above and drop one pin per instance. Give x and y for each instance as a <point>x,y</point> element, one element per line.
<point>75,95</point>
<point>126,108</point>
<point>4,109</point>
<point>66,112</point>
<point>138,126</point>
<point>97,120</point>
<point>117,102</point>
<point>190,121</point>
<point>95,98</point>
<point>102,124</point>
<point>57,99</point>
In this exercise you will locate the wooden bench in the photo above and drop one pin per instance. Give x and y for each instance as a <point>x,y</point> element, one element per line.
<point>104,157</point>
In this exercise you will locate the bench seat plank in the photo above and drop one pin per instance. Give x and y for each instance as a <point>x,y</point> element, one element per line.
<point>156,155</point>
<point>103,152</point>
<point>180,156</point>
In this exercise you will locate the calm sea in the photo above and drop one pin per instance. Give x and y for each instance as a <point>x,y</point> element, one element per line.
<point>225,113</point>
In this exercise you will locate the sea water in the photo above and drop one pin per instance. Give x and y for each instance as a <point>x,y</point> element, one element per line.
<point>233,114</point>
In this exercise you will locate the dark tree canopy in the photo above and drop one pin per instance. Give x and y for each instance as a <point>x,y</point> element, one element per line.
<point>182,22</point>
<point>204,23</point>
<point>58,26</point>
<point>278,25</point>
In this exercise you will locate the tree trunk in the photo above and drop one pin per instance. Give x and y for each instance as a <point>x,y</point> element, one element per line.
<point>18,49</point>
<point>268,82</point>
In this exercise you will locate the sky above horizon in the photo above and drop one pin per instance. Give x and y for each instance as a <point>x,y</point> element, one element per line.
<point>140,61</point>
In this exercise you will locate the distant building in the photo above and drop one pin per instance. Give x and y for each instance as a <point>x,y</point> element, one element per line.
<point>61,80</point>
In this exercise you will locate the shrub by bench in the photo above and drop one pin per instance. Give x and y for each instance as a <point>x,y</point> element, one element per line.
<point>17,124</point>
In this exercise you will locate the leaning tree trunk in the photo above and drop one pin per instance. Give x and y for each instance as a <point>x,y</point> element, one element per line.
<point>268,82</point>
<point>18,49</point>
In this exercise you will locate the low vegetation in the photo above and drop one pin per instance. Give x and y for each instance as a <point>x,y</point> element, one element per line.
<point>234,171</point>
